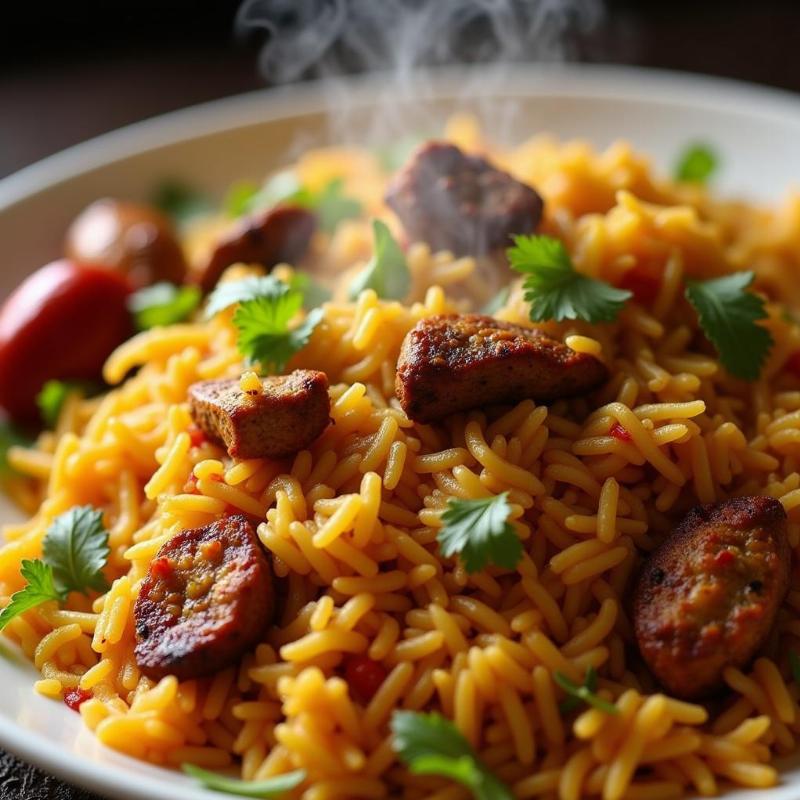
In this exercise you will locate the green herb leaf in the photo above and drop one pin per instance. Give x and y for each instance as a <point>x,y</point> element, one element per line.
<point>497,302</point>
<point>271,787</point>
<point>230,293</point>
<point>281,187</point>
<point>728,314</point>
<point>583,694</point>
<point>394,155</point>
<point>39,589</point>
<point>163,304</point>
<point>239,198</point>
<point>10,436</point>
<point>52,395</point>
<point>263,324</point>
<point>76,548</point>
<point>696,163</point>
<point>431,745</point>
<point>555,289</point>
<point>333,206</point>
<point>181,202</point>
<point>479,531</point>
<point>387,271</point>
<point>314,294</point>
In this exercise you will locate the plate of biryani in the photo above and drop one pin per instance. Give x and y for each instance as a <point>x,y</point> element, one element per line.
<point>457,465</point>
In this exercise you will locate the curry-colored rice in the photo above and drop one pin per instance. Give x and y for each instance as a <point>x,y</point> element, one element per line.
<point>351,523</point>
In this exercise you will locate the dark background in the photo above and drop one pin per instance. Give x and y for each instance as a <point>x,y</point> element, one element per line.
<point>72,70</point>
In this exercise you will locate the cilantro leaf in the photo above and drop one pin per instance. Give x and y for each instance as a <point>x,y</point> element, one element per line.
<point>162,304</point>
<point>333,206</point>
<point>279,188</point>
<point>76,548</point>
<point>555,289</point>
<point>10,436</point>
<point>230,293</point>
<point>431,745</point>
<point>263,324</point>
<point>393,155</point>
<point>583,694</point>
<point>52,395</point>
<point>314,294</point>
<point>271,787</point>
<point>40,587</point>
<point>387,271</point>
<point>696,163</point>
<point>479,531</point>
<point>239,198</point>
<point>497,302</point>
<point>728,315</point>
<point>180,201</point>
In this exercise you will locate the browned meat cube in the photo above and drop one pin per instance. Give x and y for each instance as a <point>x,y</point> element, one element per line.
<point>268,238</point>
<point>461,203</point>
<point>207,599</point>
<point>455,362</point>
<point>287,416</point>
<point>707,597</point>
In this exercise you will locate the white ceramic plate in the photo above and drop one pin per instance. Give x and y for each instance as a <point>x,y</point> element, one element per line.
<point>756,131</point>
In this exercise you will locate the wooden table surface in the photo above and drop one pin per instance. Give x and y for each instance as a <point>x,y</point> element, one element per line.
<point>78,69</point>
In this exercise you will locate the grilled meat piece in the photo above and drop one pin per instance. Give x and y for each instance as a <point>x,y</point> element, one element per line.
<point>281,234</point>
<point>461,202</point>
<point>707,597</point>
<point>290,413</point>
<point>207,599</point>
<point>455,362</point>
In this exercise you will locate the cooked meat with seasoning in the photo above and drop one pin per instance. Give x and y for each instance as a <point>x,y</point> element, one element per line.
<point>455,362</point>
<point>207,599</point>
<point>461,202</point>
<point>270,237</point>
<point>136,240</point>
<point>707,597</point>
<point>287,415</point>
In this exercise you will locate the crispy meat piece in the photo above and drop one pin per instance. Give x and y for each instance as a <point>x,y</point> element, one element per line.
<point>461,202</point>
<point>281,234</point>
<point>455,362</point>
<point>707,597</point>
<point>207,600</point>
<point>289,414</point>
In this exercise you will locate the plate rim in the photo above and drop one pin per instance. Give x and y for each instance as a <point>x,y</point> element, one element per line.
<point>619,82</point>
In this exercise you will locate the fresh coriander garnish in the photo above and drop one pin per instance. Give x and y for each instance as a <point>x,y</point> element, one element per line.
<point>181,202</point>
<point>271,787</point>
<point>52,395</point>
<point>728,315</point>
<point>331,204</point>
<point>480,533</point>
<point>497,302</point>
<point>387,271</point>
<point>587,693</point>
<point>230,293</point>
<point>263,324</point>
<point>431,745</point>
<point>395,154</point>
<point>74,552</point>
<point>163,304</point>
<point>555,289</point>
<point>10,436</point>
<point>696,163</point>
<point>239,198</point>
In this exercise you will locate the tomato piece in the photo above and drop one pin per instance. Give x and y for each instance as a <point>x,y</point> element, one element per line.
<point>62,322</point>
<point>618,432</point>
<point>196,436</point>
<point>643,283</point>
<point>75,698</point>
<point>364,677</point>
<point>792,364</point>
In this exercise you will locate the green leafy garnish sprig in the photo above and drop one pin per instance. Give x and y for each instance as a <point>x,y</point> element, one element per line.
<point>387,271</point>
<point>268,788</point>
<point>697,163</point>
<point>728,316</point>
<point>587,693</point>
<point>229,293</point>
<point>163,304</point>
<point>182,202</point>
<point>432,745</point>
<point>74,553</point>
<point>479,532</point>
<point>555,289</point>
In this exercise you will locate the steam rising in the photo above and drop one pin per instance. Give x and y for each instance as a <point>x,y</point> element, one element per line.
<point>331,38</point>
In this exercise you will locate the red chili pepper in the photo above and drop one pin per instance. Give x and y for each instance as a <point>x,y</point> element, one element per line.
<point>364,677</point>
<point>618,432</point>
<point>792,364</point>
<point>75,698</point>
<point>196,436</point>
<point>643,283</point>
<point>161,568</point>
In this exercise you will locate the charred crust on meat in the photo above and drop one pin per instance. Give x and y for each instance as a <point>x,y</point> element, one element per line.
<point>455,362</point>
<point>459,202</point>
<point>288,414</point>
<point>707,597</point>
